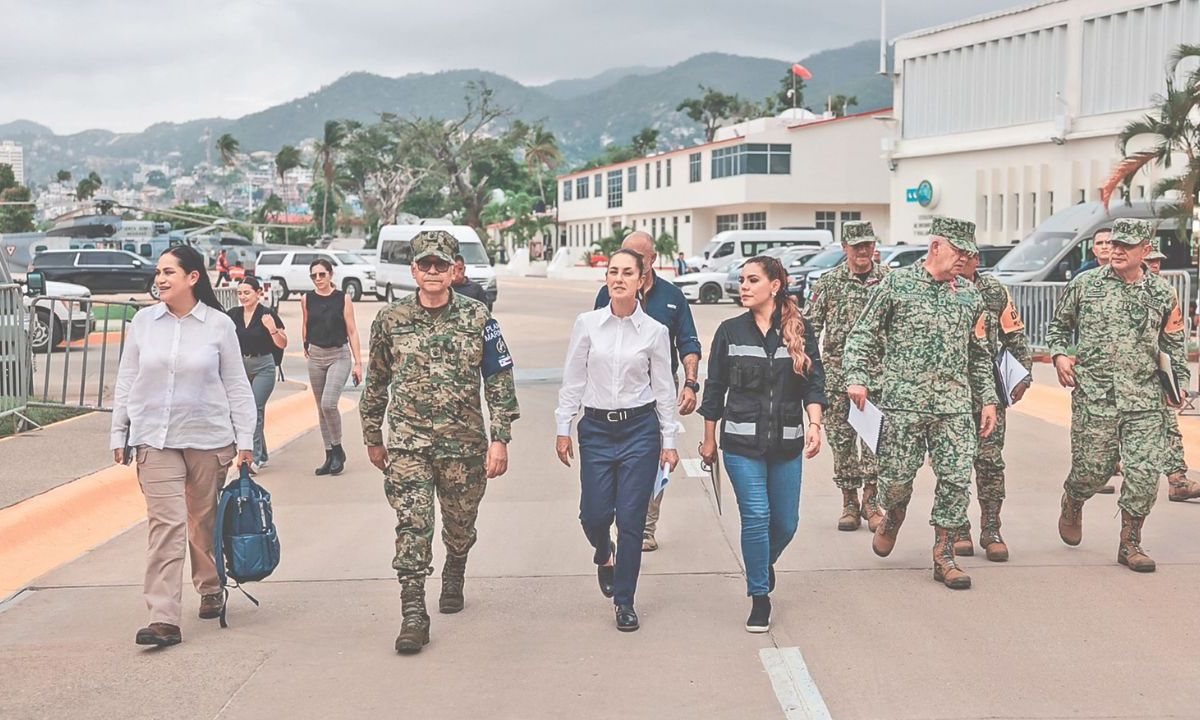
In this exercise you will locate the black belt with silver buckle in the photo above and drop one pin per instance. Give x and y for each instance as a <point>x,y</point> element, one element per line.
<point>616,416</point>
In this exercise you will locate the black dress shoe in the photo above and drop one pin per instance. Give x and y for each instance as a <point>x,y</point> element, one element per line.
<point>324,469</point>
<point>337,460</point>
<point>627,619</point>
<point>606,573</point>
<point>771,578</point>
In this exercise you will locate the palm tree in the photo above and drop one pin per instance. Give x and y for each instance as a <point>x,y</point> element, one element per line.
<point>286,160</point>
<point>326,161</point>
<point>541,151</point>
<point>228,147</point>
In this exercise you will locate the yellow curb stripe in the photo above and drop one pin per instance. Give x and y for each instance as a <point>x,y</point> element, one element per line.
<point>51,529</point>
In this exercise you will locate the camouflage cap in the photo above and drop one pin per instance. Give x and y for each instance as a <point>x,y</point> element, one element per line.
<point>1131,231</point>
<point>436,243</point>
<point>1155,252</point>
<point>858,232</point>
<point>960,233</point>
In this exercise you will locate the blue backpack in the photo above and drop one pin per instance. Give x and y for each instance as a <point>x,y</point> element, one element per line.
<point>246,544</point>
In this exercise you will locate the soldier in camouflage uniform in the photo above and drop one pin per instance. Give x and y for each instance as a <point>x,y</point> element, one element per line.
<point>429,353</point>
<point>1175,467</point>
<point>837,301</point>
<point>1124,316</point>
<point>927,327</point>
<point>1005,332</point>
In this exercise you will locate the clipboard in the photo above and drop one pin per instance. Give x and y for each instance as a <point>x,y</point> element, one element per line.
<point>714,476</point>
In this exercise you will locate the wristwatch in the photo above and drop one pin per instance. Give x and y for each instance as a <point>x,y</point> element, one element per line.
<point>692,385</point>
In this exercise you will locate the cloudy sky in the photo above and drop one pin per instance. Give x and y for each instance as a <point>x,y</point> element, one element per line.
<point>79,64</point>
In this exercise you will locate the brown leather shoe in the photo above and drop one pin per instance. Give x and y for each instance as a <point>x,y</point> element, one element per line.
<point>1070,520</point>
<point>850,520</point>
<point>885,536</point>
<point>870,506</point>
<point>945,570</point>
<point>159,635</point>
<point>989,532</point>
<point>211,606</point>
<point>1181,488</point>
<point>1130,553</point>
<point>963,547</point>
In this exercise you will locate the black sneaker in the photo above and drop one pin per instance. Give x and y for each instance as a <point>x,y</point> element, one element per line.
<point>627,619</point>
<point>760,615</point>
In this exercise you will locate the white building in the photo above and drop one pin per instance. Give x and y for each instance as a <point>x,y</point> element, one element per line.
<point>14,155</point>
<point>768,173</point>
<point>1007,118</point>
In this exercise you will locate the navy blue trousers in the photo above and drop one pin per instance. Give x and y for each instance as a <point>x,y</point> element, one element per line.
<point>618,464</point>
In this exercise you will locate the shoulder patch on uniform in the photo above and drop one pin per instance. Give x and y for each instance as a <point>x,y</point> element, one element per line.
<point>1174,320</point>
<point>1010,319</point>
<point>496,357</point>
<point>981,326</point>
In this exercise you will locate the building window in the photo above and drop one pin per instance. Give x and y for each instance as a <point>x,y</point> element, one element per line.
<point>752,159</point>
<point>657,174</point>
<point>675,227</point>
<point>687,219</point>
<point>632,179</point>
<point>998,211</point>
<point>1033,219</point>
<point>654,228</point>
<point>727,222</point>
<point>754,221</point>
<point>647,176</point>
<point>599,185</point>
<point>827,220</point>
<point>668,172</point>
<point>566,191</point>
<point>615,196</point>
<point>694,167</point>
<point>981,212</point>
<point>581,188</point>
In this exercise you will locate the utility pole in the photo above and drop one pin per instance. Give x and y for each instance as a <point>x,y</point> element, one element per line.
<point>883,37</point>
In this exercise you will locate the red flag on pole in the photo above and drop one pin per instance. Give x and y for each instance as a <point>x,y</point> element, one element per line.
<point>801,72</point>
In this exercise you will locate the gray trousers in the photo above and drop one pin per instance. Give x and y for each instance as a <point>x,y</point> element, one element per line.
<point>261,372</point>
<point>328,370</point>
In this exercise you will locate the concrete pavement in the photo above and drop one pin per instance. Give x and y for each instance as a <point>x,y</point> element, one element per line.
<point>1055,632</point>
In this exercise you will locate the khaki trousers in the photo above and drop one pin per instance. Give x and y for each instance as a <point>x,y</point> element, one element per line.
<point>181,489</point>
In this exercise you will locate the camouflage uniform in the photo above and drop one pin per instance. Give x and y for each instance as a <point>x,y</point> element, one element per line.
<point>1174,463</point>
<point>837,301</point>
<point>1117,406</point>
<point>930,338</point>
<point>430,366</point>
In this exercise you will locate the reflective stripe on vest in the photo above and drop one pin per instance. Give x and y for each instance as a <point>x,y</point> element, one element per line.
<point>741,428</point>
<point>792,433</point>
<point>747,351</point>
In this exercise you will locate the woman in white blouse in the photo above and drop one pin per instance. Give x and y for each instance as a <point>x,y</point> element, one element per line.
<point>184,410</point>
<point>619,371</point>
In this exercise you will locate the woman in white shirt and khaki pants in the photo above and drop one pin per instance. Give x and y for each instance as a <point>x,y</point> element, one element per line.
<point>184,407</point>
<point>619,370</point>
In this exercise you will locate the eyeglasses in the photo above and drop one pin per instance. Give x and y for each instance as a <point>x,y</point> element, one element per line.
<point>319,275</point>
<point>426,264</point>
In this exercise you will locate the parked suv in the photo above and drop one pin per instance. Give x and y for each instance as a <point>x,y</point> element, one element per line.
<point>288,271</point>
<point>101,271</point>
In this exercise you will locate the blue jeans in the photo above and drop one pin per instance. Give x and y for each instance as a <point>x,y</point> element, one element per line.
<point>261,371</point>
<point>768,496</point>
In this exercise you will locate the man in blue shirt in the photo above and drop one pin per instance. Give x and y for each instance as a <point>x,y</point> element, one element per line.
<point>665,303</point>
<point>681,267</point>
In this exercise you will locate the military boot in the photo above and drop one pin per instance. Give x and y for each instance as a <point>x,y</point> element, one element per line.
<point>850,519</point>
<point>453,577</point>
<point>885,535</point>
<point>1070,520</point>
<point>870,507</point>
<point>1181,488</point>
<point>989,531</point>
<point>963,547</point>
<point>945,570</point>
<point>414,628</point>
<point>1130,553</point>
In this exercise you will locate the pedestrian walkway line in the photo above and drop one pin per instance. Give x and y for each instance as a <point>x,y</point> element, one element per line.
<point>794,686</point>
<point>51,529</point>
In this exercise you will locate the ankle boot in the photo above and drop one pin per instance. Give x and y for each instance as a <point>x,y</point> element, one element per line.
<point>453,577</point>
<point>414,628</point>
<point>850,519</point>
<point>870,507</point>
<point>1181,488</point>
<point>963,547</point>
<point>760,614</point>
<point>989,531</point>
<point>1130,553</point>
<point>337,460</point>
<point>1070,520</point>
<point>885,536</point>
<point>945,570</point>
<point>324,469</point>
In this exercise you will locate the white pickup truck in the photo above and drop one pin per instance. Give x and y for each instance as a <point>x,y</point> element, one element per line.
<point>56,320</point>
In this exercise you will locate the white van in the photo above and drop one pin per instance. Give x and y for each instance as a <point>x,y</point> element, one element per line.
<point>748,243</point>
<point>288,270</point>
<point>393,274</point>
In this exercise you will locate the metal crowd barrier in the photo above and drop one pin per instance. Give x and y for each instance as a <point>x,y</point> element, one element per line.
<point>16,380</point>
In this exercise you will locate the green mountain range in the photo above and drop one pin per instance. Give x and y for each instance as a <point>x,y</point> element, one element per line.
<point>585,114</point>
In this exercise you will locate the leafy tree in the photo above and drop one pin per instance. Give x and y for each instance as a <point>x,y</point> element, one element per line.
<point>645,142</point>
<point>88,186</point>
<point>838,104</point>
<point>382,164</point>
<point>666,246</point>
<point>286,160</point>
<point>612,243</point>
<point>325,165</point>
<point>14,218</point>
<point>268,212</point>
<point>519,208</point>
<point>228,147</point>
<point>63,176</point>
<point>8,179</point>
<point>541,153</point>
<point>714,108</point>
<point>158,179</point>
<point>320,197</point>
<point>782,99</point>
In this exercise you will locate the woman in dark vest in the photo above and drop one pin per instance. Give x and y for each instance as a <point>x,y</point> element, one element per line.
<point>331,346</point>
<point>764,373</point>
<point>260,335</point>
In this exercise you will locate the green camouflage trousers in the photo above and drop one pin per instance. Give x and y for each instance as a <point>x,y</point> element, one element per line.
<point>1174,462</point>
<point>410,483</point>
<point>950,440</point>
<point>989,460</point>
<point>849,470</point>
<point>1138,436</point>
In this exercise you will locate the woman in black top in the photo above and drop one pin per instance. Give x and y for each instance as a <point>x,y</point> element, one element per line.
<point>764,373</point>
<point>330,340</point>
<point>260,335</point>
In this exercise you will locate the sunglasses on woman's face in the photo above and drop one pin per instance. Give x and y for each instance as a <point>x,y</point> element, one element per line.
<point>319,275</point>
<point>426,264</point>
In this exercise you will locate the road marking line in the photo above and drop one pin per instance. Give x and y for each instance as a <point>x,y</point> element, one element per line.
<point>794,687</point>
<point>693,468</point>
